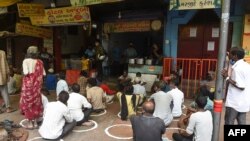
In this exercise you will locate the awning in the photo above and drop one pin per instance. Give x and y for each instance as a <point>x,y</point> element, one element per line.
<point>7,34</point>
<point>4,3</point>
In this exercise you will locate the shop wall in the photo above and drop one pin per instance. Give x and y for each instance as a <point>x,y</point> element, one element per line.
<point>174,18</point>
<point>72,40</point>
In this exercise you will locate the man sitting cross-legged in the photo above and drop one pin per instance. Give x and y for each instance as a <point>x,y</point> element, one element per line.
<point>146,127</point>
<point>79,106</point>
<point>57,120</point>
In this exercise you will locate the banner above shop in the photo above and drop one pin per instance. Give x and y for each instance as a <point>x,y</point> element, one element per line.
<point>30,30</point>
<point>90,2</point>
<point>4,3</point>
<point>65,15</point>
<point>194,4</point>
<point>129,26</point>
<point>27,10</point>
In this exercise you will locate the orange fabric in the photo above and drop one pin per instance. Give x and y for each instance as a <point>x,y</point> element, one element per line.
<point>72,76</point>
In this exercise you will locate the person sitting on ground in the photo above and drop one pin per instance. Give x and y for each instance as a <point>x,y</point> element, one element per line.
<point>96,96</point>
<point>79,107</point>
<point>11,84</point>
<point>146,127</point>
<point>50,80</point>
<point>109,93</point>
<point>57,120</point>
<point>123,79</point>
<point>128,102</point>
<point>200,124</point>
<point>203,91</point>
<point>178,98</point>
<point>139,77</point>
<point>44,94</point>
<point>139,90</point>
<point>82,82</point>
<point>162,103</point>
<point>18,79</point>
<point>61,84</point>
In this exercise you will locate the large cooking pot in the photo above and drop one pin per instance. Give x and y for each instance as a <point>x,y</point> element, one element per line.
<point>139,61</point>
<point>149,62</point>
<point>131,61</point>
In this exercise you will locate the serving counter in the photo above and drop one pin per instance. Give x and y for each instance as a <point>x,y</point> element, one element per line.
<point>149,73</point>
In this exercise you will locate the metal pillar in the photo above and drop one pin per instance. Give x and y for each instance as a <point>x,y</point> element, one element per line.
<point>218,102</point>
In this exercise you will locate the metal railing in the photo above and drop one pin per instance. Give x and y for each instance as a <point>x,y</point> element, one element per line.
<point>191,71</point>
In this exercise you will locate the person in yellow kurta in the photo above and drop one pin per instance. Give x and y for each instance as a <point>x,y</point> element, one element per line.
<point>128,102</point>
<point>85,63</point>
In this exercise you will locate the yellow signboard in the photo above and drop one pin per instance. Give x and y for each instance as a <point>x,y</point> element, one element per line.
<point>90,2</point>
<point>4,3</point>
<point>29,30</point>
<point>194,4</point>
<point>130,26</point>
<point>62,16</point>
<point>27,10</point>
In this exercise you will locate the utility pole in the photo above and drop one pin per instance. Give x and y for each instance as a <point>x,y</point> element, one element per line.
<point>218,101</point>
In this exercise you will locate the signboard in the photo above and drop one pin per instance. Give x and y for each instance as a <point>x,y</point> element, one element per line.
<point>29,30</point>
<point>90,2</point>
<point>3,10</point>
<point>194,4</point>
<point>27,10</point>
<point>62,16</point>
<point>4,3</point>
<point>130,26</point>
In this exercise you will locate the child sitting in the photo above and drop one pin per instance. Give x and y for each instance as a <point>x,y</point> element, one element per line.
<point>139,77</point>
<point>82,82</point>
<point>11,83</point>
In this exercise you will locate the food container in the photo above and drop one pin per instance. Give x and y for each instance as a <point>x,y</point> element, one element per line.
<point>131,61</point>
<point>139,61</point>
<point>149,62</point>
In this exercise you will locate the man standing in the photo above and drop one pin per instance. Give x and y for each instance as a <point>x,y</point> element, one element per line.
<point>147,127</point>
<point>46,58</point>
<point>79,107</point>
<point>162,103</point>
<point>4,78</point>
<point>129,53</point>
<point>238,98</point>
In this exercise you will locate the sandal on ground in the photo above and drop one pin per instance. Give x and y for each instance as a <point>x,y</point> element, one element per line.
<point>87,123</point>
<point>10,110</point>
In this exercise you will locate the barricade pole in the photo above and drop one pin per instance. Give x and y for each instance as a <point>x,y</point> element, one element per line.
<point>221,59</point>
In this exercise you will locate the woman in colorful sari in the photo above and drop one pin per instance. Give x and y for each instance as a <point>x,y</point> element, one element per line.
<point>31,102</point>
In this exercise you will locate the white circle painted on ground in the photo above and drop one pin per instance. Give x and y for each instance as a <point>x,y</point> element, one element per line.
<point>184,106</point>
<point>86,130</point>
<point>117,125</point>
<point>110,102</point>
<point>119,114</point>
<point>102,113</point>
<point>22,121</point>
<point>37,138</point>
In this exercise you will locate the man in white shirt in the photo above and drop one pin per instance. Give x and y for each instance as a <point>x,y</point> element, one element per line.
<point>178,98</point>
<point>162,103</point>
<point>61,84</point>
<point>200,124</point>
<point>238,94</point>
<point>76,104</point>
<point>57,120</point>
<point>139,89</point>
